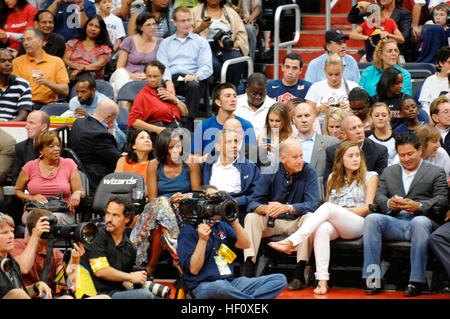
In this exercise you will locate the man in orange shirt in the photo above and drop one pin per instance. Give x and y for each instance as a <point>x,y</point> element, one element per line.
<point>46,73</point>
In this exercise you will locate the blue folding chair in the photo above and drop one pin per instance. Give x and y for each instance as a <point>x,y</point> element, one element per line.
<point>129,91</point>
<point>55,109</point>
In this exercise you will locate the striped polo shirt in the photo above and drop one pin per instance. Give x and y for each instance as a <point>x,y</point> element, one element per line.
<point>16,97</point>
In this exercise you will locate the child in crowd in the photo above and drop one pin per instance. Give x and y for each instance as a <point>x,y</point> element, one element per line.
<point>435,34</point>
<point>409,111</point>
<point>381,131</point>
<point>114,24</point>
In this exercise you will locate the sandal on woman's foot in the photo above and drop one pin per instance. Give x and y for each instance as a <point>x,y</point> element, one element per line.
<point>284,246</point>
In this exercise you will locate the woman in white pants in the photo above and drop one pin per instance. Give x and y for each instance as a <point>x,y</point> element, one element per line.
<point>350,190</point>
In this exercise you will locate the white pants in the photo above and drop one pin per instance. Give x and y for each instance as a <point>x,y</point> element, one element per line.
<point>327,223</point>
<point>119,78</point>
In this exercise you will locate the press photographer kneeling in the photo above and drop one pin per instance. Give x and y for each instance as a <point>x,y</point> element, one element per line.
<point>11,285</point>
<point>38,259</point>
<point>205,251</point>
<point>111,257</point>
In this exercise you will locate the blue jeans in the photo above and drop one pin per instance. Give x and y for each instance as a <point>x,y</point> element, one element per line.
<point>379,227</point>
<point>142,293</point>
<point>264,287</point>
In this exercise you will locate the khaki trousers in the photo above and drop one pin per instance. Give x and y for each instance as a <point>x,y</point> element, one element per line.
<point>256,227</point>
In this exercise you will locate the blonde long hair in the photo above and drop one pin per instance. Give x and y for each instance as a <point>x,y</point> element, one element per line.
<point>339,177</point>
<point>377,61</point>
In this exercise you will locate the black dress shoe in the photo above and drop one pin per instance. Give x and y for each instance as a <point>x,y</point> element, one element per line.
<point>296,284</point>
<point>412,290</point>
<point>373,291</point>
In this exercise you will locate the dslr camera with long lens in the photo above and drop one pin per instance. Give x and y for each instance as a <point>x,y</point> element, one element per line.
<point>225,38</point>
<point>156,289</point>
<point>205,206</point>
<point>82,232</point>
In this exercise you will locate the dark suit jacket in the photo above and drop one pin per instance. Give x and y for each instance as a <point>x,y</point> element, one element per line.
<point>96,148</point>
<point>375,156</point>
<point>318,158</point>
<point>429,187</point>
<point>23,153</point>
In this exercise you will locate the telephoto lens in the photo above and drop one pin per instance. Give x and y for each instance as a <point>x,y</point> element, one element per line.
<point>158,289</point>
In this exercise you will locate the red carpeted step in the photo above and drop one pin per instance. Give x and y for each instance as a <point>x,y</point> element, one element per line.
<point>342,6</point>
<point>318,22</point>
<point>317,39</point>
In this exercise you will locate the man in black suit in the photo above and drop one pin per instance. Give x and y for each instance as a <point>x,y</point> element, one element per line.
<point>408,196</point>
<point>375,155</point>
<point>94,145</point>
<point>37,122</point>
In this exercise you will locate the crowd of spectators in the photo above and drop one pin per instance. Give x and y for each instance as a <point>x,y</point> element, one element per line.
<point>305,158</point>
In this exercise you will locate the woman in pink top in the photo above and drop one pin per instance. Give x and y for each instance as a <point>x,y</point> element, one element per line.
<point>15,17</point>
<point>50,175</point>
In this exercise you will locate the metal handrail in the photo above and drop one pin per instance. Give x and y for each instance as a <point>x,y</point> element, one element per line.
<point>223,72</point>
<point>288,44</point>
<point>329,5</point>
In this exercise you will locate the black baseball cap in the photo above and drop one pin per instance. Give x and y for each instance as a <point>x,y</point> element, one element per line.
<point>335,35</point>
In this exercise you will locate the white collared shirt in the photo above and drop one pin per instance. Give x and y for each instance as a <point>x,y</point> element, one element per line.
<point>225,178</point>
<point>258,117</point>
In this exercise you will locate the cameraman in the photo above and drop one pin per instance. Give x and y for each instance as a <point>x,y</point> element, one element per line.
<point>209,19</point>
<point>11,286</point>
<point>209,274</point>
<point>110,258</point>
<point>31,252</point>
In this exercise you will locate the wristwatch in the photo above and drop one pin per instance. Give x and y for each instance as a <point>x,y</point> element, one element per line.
<point>291,208</point>
<point>420,207</point>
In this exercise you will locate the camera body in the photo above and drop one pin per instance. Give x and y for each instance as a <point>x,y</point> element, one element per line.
<point>81,232</point>
<point>206,206</point>
<point>225,38</point>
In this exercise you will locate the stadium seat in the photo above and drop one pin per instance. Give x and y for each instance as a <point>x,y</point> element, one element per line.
<point>122,119</point>
<point>102,86</point>
<point>129,91</point>
<point>55,109</point>
<point>120,184</point>
<point>420,66</point>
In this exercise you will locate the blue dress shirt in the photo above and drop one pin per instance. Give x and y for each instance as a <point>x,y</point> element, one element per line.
<point>315,71</point>
<point>302,192</point>
<point>191,56</point>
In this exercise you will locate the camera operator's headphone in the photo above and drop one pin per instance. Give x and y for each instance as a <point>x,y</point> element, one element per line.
<point>447,7</point>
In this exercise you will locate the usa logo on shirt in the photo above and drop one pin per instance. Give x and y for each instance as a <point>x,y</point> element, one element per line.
<point>222,235</point>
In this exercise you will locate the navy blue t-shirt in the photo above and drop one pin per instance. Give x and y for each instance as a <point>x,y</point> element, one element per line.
<point>187,241</point>
<point>283,94</point>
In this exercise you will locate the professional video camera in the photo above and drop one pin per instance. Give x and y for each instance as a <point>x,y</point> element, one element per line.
<point>205,206</point>
<point>225,38</point>
<point>82,232</point>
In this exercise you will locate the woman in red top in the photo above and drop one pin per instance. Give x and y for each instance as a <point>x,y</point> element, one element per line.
<point>91,51</point>
<point>15,17</point>
<point>155,108</point>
